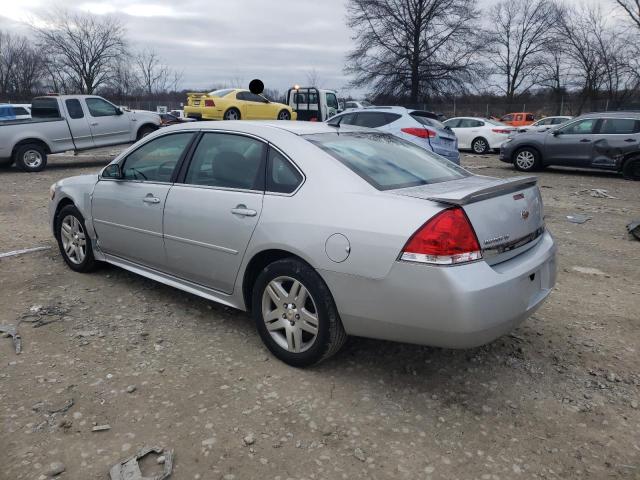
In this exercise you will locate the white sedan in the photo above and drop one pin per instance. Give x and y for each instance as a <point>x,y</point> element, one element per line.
<point>479,134</point>
<point>545,124</point>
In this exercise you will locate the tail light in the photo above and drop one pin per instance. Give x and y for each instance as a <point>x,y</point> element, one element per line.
<point>501,130</point>
<point>209,103</point>
<point>420,132</point>
<point>446,239</point>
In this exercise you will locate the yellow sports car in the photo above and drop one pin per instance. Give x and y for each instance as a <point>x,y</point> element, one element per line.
<point>235,104</point>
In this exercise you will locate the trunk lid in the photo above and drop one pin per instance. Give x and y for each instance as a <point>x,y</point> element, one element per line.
<point>506,214</point>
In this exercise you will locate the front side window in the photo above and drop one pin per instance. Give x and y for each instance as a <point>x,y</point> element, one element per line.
<point>74,108</point>
<point>332,101</point>
<point>619,126</point>
<point>100,108</point>
<point>507,118</point>
<point>385,161</point>
<point>20,111</point>
<point>580,127</point>
<point>282,177</point>
<point>453,123</point>
<point>228,161</point>
<point>156,160</point>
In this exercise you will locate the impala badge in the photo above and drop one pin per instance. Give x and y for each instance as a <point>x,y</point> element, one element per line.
<point>524,214</point>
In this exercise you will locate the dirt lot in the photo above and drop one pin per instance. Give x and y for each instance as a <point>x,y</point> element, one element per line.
<point>556,399</point>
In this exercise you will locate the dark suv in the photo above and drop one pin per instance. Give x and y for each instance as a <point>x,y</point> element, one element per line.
<point>608,141</point>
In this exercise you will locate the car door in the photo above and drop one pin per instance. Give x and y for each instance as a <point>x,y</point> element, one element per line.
<point>467,130</point>
<point>570,145</point>
<point>255,106</point>
<point>127,212</point>
<point>614,138</point>
<point>109,125</point>
<point>78,124</point>
<point>212,212</point>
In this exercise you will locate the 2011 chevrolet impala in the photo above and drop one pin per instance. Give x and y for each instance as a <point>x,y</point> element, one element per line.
<point>320,231</point>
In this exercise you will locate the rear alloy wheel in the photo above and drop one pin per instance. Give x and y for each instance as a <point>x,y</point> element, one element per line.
<point>232,114</point>
<point>31,158</point>
<point>295,314</point>
<point>527,160</point>
<point>631,169</point>
<point>480,145</point>
<point>284,115</point>
<point>74,243</point>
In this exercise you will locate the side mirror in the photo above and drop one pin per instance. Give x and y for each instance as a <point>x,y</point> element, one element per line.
<point>119,111</point>
<point>112,171</point>
<point>555,133</point>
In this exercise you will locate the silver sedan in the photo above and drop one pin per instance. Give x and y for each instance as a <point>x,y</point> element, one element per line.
<point>319,231</point>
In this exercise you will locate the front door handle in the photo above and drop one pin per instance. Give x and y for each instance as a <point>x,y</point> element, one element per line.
<point>629,140</point>
<point>585,140</point>
<point>243,211</point>
<point>151,199</point>
<point>94,124</point>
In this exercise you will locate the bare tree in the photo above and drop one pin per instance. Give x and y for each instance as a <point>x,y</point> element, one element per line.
<point>154,76</point>
<point>21,67</point>
<point>632,9</point>
<point>314,79</point>
<point>516,41</point>
<point>422,47</point>
<point>84,48</point>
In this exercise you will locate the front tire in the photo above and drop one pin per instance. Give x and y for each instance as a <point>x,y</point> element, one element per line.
<point>284,115</point>
<point>232,114</point>
<point>480,146</point>
<point>526,159</point>
<point>295,314</point>
<point>631,169</point>
<point>31,158</point>
<point>73,240</point>
<point>144,131</point>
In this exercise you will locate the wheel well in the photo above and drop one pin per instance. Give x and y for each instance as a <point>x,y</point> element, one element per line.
<point>530,147</point>
<point>628,157</point>
<point>61,204</point>
<point>30,141</point>
<point>146,125</point>
<point>255,266</point>
<point>232,107</point>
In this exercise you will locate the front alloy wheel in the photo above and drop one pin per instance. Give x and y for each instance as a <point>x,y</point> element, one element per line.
<point>284,115</point>
<point>480,146</point>
<point>74,243</point>
<point>526,160</point>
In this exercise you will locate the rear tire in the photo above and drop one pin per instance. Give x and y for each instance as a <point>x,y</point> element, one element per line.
<point>284,115</point>
<point>31,158</point>
<point>480,146</point>
<point>73,240</point>
<point>300,335</point>
<point>232,114</point>
<point>527,159</point>
<point>631,169</point>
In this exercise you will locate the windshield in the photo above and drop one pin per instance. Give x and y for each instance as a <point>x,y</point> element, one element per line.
<point>387,162</point>
<point>221,93</point>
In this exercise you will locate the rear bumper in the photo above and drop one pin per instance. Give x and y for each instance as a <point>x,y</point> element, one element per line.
<point>203,113</point>
<point>456,307</point>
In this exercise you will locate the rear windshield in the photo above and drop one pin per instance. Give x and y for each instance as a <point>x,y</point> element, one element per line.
<point>426,120</point>
<point>45,107</point>
<point>387,162</point>
<point>221,93</point>
<point>495,122</point>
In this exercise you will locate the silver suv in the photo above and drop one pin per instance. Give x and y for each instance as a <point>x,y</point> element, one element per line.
<point>608,141</point>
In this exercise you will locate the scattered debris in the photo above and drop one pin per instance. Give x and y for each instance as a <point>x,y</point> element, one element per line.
<point>15,253</point>
<point>588,271</point>
<point>359,454</point>
<point>131,388</point>
<point>578,218</point>
<point>55,469</point>
<point>476,167</point>
<point>129,469</point>
<point>249,439</point>
<point>12,332</point>
<point>595,192</point>
<point>634,229</point>
<point>101,428</point>
<point>40,316</point>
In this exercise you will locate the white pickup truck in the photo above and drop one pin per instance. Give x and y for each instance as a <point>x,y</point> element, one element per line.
<point>61,123</point>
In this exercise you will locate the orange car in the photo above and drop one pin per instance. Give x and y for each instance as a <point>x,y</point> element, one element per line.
<point>518,119</point>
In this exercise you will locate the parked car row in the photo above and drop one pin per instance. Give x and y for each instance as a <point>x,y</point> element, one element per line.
<point>13,111</point>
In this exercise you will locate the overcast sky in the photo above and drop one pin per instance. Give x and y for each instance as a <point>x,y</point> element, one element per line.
<point>217,41</point>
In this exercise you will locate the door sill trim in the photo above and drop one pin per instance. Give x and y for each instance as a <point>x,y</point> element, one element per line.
<point>176,282</point>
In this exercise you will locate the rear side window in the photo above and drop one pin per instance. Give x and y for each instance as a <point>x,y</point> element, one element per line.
<point>74,108</point>
<point>228,161</point>
<point>282,177</point>
<point>45,107</point>
<point>385,161</point>
<point>156,160</point>
<point>100,108</point>
<point>453,123</point>
<point>529,117</point>
<point>619,126</point>
<point>20,111</point>
<point>470,123</point>
<point>374,119</point>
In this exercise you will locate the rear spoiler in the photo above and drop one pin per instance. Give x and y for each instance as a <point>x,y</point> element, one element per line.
<point>196,94</point>
<point>466,195</point>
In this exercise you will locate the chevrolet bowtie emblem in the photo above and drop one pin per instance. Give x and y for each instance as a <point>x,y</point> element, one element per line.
<point>524,214</point>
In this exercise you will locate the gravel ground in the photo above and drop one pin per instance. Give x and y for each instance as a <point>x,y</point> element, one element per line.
<point>558,398</point>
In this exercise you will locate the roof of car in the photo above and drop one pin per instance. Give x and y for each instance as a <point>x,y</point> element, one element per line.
<point>621,114</point>
<point>295,127</point>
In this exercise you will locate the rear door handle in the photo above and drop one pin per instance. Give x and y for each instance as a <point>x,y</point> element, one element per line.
<point>150,199</point>
<point>94,124</point>
<point>243,211</point>
<point>629,140</point>
<point>585,140</point>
